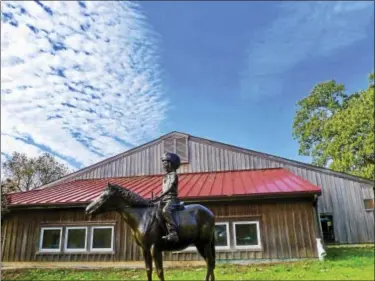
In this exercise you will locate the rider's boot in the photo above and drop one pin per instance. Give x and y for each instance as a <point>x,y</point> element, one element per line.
<point>172,233</point>
<point>172,236</point>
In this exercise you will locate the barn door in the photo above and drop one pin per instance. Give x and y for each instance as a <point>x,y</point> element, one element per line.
<point>327,228</point>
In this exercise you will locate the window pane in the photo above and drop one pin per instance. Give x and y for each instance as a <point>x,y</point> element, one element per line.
<point>76,239</point>
<point>51,239</point>
<point>221,235</point>
<point>246,234</point>
<point>102,238</point>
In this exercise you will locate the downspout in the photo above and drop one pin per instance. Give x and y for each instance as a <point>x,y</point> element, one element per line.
<point>319,241</point>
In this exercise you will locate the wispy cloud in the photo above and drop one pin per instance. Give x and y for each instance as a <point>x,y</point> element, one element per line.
<point>78,79</point>
<point>301,31</point>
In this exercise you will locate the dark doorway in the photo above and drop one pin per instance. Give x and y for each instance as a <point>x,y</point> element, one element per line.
<point>327,228</point>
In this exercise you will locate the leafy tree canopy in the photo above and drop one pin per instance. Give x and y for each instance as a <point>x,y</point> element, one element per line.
<point>24,173</point>
<point>336,129</point>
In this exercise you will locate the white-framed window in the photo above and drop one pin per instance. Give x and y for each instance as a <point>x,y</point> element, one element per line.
<point>246,235</point>
<point>50,239</point>
<point>75,239</point>
<point>102,238</point>
<point>222,235</point>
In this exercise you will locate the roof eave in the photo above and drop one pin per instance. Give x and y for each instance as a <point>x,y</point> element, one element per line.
<point>48,206</point>
<point>221,198</point>
<point>231,198</point>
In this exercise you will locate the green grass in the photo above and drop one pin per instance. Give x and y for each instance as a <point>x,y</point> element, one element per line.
<point>341,264</point>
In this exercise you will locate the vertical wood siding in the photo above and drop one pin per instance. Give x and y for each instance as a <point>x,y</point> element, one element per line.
<point>341,197</point>
<point>287,230</point>
<point>344,200</point>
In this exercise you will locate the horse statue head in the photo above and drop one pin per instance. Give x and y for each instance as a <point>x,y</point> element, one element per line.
<point>115,197</point>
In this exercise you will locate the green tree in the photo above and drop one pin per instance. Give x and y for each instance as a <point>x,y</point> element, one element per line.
<point>337,130</point>
<point>7,185</point>
<point>48,169</point>
<point>371,78</point>
<point>27,173</point>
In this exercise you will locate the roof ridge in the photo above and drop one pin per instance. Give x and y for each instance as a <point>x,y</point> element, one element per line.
<point>229,146</point>
<point>187,173</point>
<point>283,159</point>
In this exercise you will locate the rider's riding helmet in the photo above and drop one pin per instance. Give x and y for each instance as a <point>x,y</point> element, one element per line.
<point>172,158</point>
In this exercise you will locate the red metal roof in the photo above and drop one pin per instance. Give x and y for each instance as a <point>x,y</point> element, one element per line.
<point>192,185</point>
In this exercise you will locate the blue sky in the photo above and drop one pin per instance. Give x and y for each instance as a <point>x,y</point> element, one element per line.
<point>87,80</point>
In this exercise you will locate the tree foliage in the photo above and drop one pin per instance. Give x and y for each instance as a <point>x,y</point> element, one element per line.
<point>26,173</point>
<point>336,129</point>
<point>7,185</point>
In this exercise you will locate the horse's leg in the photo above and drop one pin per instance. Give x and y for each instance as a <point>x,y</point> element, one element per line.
<point>200,249</point>
<point>203,252</point>
<point>209,255</point>
<point>158,259</point>
<point>212,259</point>
<point>148,262</point>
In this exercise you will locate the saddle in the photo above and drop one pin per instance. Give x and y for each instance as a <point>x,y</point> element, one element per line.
<point>178,206</point>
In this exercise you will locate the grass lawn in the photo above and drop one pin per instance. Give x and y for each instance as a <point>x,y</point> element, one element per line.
<point>341,264</point>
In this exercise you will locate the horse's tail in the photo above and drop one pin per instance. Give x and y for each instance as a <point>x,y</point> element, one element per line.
<point>214,255</point>
<point>213,250</point>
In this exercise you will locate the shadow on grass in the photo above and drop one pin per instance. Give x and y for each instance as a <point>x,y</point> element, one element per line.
<point>349,253</point>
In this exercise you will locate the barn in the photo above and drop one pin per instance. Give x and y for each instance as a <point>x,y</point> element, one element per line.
<point>266,207</point>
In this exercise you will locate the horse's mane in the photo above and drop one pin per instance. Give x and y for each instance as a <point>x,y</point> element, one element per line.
<point>132,198</point>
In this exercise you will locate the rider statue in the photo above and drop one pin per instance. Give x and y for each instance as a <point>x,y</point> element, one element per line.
<point>169,195</point>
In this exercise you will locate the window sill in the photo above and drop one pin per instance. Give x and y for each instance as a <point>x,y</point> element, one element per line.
<point>75,251</point>
<point>369,210</point>
<point>49,252</point>
<point>251,249</point>
<point>101,252</point>
<point>40,253</point>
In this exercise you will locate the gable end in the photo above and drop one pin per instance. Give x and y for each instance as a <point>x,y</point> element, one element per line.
<point>178,145</point>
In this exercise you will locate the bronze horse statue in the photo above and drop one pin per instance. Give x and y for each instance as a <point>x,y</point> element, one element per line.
<point>195,225</point>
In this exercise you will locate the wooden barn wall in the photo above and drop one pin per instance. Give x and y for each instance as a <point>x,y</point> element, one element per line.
<point>341,197</point>
<point>287,230</point>
<point>344,200</point>
<point>22,234</point>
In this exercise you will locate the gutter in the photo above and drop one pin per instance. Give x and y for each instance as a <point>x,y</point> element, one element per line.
<point>187,200</point>
<point>45,206</point>
<point>239,198</point>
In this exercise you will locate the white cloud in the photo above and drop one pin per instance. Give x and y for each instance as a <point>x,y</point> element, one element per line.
<point>301,31</point>
<point>17,145</point>
<point>76,76</point>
